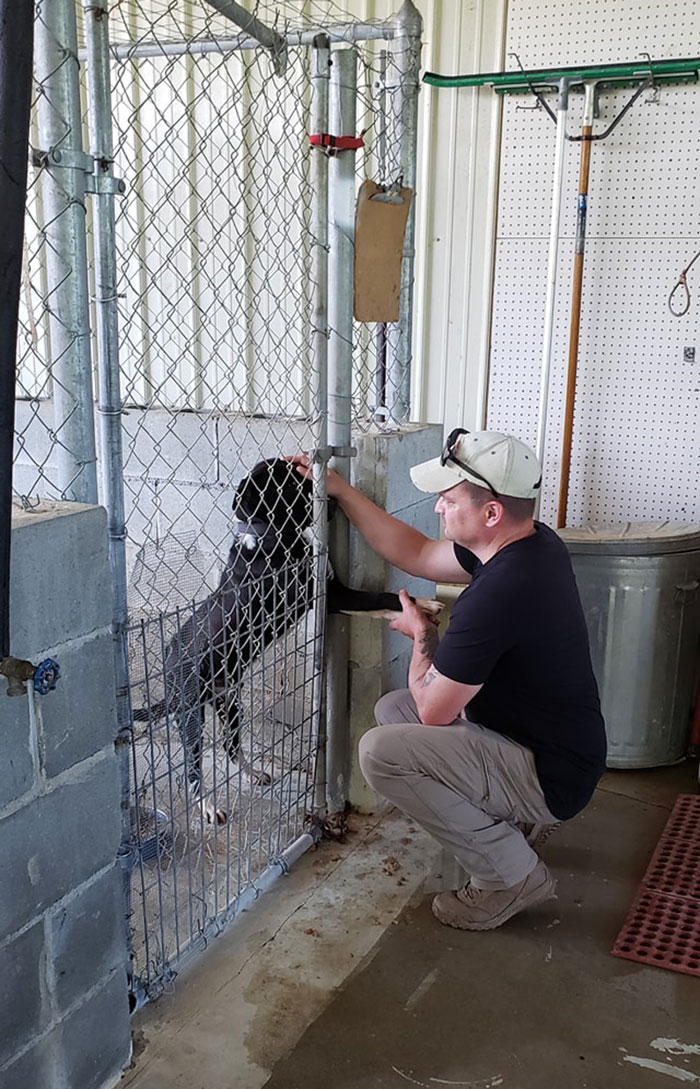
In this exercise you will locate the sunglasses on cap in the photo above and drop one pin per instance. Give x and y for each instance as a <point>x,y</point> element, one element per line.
<point>449,455</point>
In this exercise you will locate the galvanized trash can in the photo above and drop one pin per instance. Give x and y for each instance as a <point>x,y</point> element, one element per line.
<point>640,589</point>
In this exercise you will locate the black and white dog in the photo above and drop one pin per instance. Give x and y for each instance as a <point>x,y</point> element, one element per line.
<point>266,585</point>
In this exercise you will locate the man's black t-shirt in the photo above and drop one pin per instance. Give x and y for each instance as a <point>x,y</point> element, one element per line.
<point>519,630</point>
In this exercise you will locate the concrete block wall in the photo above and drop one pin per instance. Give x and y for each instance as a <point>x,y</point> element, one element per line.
<point>379,657</point>
<point>64,1020</point>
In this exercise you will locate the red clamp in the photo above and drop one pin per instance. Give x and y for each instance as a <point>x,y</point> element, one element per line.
<point>333,144</point>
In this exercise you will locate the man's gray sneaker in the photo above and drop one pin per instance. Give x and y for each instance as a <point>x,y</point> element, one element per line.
<point>485,909</point>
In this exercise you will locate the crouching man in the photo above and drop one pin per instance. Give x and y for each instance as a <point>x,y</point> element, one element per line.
<point>499,735</point>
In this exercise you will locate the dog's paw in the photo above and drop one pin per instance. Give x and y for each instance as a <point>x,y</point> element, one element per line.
<point>211,813</point>
<point>429,606</point>
<point>255,776</point>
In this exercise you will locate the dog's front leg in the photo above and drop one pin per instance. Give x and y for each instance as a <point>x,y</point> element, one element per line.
<point>343,599</point>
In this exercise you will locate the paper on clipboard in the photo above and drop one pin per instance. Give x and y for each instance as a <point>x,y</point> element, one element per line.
<point>380,226</point>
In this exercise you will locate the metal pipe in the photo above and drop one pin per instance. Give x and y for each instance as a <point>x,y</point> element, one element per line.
<point>64,184</point>
<point>379,406</point>
<point>263,35</point>
<point>562,109</point>
<point>579,251</point>
<point>341,214</point>
<point>320,78</point>
<point>109,394</point>
<point>523,81</point>
<point>406,52</point>
<point>340,32</point>
<point>17,21</point>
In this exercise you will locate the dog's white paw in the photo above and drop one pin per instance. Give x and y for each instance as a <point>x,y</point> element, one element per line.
<point>255,776</point>
<point>211,813</point>
<point>429,606</point>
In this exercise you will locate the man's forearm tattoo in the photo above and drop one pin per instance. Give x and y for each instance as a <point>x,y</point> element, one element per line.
<point>429,677</point>
<point>429,641</point>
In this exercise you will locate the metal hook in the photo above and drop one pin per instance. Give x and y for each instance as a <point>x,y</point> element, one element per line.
<point>541,103</point>
<point>655,96</point>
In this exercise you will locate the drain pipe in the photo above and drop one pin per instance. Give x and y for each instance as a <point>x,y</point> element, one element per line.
<point>575,327</point>
<point>562,110</point>
<point>17,22</point>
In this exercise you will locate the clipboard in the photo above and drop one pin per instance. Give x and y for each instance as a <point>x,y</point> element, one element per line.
<point>380,226</point>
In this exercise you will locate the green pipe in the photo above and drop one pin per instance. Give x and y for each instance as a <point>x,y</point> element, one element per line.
<point>524,81</point>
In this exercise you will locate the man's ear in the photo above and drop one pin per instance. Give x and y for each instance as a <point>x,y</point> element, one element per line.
<point>493,513</point>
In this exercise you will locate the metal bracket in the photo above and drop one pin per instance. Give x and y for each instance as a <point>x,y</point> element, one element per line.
<point>70,160</point>
<point>325,453</point>
<point>104,183</point>
<point>96,181</point>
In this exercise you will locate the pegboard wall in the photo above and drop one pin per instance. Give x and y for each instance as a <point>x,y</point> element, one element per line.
<point>636,448</point>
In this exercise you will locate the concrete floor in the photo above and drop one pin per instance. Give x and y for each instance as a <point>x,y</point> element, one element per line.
<point>342,977</point>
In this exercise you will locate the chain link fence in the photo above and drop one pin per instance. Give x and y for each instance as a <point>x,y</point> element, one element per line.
<point>220,312</point>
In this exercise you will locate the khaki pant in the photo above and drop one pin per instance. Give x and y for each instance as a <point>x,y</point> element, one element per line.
<point>462,783</point>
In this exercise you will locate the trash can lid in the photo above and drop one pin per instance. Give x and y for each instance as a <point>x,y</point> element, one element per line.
<point>633,538</point>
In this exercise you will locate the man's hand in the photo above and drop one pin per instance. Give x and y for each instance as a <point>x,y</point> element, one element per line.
<point>413,622</point>
<point>302,464</point>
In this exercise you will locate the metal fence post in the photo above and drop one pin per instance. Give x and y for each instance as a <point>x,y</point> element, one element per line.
<point>340,320</point>
<point>105,186</point>
<point>320,76</point>
<point>64,179</point>
<point>406,53</point>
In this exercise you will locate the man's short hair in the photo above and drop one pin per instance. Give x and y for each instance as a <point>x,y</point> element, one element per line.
<point>517,510</point>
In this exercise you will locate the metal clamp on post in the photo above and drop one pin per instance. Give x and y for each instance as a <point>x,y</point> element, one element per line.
<point>70,159</point>
<point>325,453</point>
<point>104,183</point>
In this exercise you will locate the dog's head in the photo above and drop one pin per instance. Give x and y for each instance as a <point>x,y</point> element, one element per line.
<point>273,503</point>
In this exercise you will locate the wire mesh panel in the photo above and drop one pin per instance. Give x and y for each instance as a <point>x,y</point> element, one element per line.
<point>223,765</point>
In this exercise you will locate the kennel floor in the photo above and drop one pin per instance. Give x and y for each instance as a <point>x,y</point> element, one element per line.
<point>342,977</point>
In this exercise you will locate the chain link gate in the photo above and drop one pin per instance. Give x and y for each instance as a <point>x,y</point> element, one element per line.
<point>213,301</point>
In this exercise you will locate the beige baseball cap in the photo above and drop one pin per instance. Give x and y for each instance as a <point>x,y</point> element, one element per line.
<point>488,459</point>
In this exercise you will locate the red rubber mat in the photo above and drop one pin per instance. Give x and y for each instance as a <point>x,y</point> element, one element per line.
<point>663,925</point>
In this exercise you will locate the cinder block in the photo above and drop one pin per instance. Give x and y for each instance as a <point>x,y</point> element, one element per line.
<point>58,842</point>
<point>79,717</point>
<point>41,1066</point>
<point>87,937</point>
<point>16,766</point>
<point>160,444</point>
<point>21,991</point>
<point>32,480</point>
<point>203,512</point>
<point>243,441</point>
<point>413,444</point>
<point>34,446</point>
<point>60,585</point>
<point>97,1037</point>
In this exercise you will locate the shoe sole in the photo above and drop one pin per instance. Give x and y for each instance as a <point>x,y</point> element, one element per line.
<point>545,891</point>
